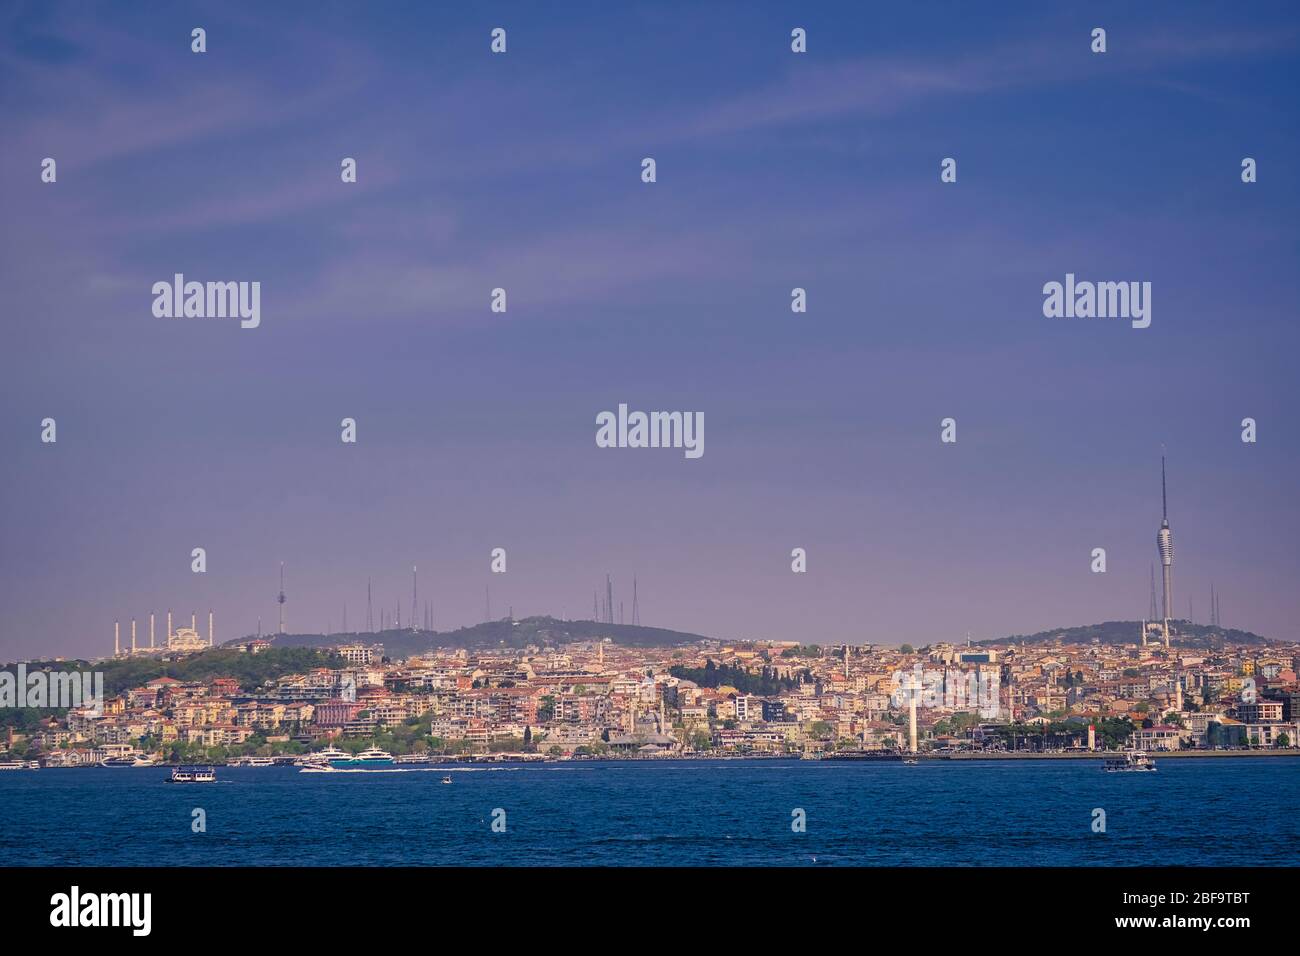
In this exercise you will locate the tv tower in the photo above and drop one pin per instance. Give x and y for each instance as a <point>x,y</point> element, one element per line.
<point>280,600</point>
<point>1165,543</point>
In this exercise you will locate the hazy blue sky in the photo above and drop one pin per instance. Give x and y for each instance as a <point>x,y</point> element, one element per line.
<point>775,170</point>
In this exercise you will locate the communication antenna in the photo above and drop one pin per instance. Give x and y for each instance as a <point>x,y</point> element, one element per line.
<point>280,600</point>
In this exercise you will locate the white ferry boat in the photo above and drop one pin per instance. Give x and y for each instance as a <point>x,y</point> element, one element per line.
<point>367,758</point>
<point>128,760</point>
<point>1130,761</point>
<point>332,759</point>
<point>323,757</point>
<point>255,762</point>
<point>20,765</point>
<point>193,775</point>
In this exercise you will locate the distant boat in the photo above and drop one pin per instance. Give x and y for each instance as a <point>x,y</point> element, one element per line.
<point>447,779</point>
<point>193,775</point>
<point>20,765</point>
<point>255,762</point>
<point>135,760</point>
<point>1131,761</point>
<point>909,760</point>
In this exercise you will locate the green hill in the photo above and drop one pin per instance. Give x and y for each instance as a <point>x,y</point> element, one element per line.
<point>540,631</point>
<point>1186,634</point>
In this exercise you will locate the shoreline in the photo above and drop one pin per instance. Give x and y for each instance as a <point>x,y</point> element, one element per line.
<point>841,757</point>
<point>1093,755</point>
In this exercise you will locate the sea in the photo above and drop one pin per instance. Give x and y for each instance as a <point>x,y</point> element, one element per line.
<point>726,813</point>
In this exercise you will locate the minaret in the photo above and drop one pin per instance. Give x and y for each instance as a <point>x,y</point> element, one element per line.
<point>151,630</point>
<point>194,621</point>
<point>132,637</point>
<point>117,639</point>
<point>169,627</point>
<point>209,628</point>
<point>1165,542</point>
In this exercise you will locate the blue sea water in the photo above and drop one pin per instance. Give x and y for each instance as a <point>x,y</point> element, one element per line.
<point>1198,812</point>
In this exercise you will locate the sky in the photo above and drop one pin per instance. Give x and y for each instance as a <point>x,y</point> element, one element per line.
<point>775,170</point>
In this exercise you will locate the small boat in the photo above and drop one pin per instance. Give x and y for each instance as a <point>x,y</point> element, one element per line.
<point>193,775</point>
<point>1130,761</point>
<point>909,760</point>
<point>447,778</point>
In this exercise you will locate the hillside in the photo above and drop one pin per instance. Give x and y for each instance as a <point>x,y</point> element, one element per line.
<point>548,631</point>
<point>540,631</point>
<point>1126,632</point>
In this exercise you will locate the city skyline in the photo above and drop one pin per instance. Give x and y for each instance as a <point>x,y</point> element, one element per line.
<point>476,430</point>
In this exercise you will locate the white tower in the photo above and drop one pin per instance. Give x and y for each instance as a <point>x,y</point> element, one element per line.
<point>911,714</point>
<point>209,628</point>
<point>117,639</point>
<point>133,636</point>
<point>151,630</point>
<point>1165,544</point>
